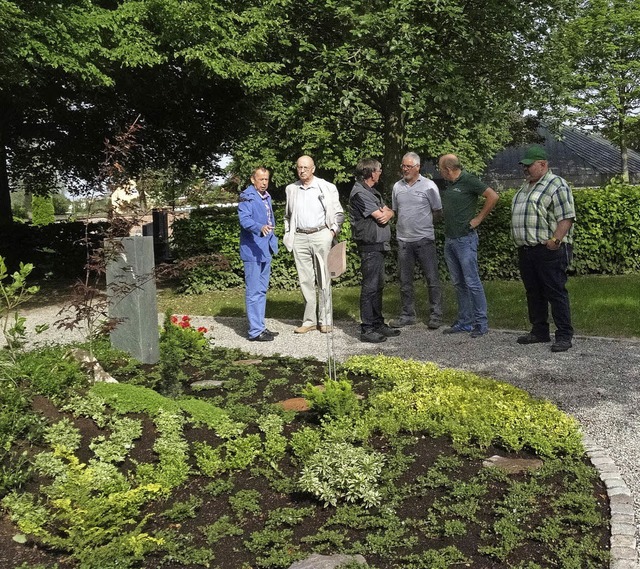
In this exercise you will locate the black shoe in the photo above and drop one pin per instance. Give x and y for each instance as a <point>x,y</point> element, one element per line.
<point>401,322</point>
<point>262,337</point>
<point>372,337</point>
<point>272,334</point>
<point>531,338</point>
<point>388,331</point>
<point>477,332</point>
<point>434,324</point>
<point>561,345</point>
<point>457,329</point>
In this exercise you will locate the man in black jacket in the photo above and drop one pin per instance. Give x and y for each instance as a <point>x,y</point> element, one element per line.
<point>370,229</point>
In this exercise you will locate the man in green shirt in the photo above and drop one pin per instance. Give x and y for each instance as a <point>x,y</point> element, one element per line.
<point>459,205</point>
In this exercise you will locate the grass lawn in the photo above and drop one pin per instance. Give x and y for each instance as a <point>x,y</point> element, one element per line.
<point>601,305</point>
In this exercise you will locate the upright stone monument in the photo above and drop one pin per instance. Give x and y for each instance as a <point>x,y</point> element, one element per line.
<point>132,297</point>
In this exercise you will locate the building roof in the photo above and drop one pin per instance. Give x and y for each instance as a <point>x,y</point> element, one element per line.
<point>582,158</point>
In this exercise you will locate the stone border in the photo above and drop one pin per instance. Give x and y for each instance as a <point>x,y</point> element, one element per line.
<point>624,554</point>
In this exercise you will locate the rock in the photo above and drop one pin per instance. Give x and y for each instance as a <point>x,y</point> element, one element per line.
<point>91,366</point>
<point>317,561</point>
<point>206,384</point>
<point>294,404</point>
<point>246,362</point>
<point>512,465</point>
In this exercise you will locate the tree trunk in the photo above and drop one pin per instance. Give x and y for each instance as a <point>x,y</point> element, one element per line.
<point>624,151</point>
<point>6,216</point>
<point>394,140</point>
<point>625,164</point>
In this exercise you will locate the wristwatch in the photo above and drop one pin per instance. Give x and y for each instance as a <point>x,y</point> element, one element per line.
<point>556,240</point>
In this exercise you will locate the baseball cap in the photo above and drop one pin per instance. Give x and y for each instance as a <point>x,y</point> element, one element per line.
<point>532,154</point>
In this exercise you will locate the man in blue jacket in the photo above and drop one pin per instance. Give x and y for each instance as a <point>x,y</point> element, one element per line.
<point>258,243</point>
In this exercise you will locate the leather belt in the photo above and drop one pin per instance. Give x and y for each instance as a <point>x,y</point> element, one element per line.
<point>310,231</point>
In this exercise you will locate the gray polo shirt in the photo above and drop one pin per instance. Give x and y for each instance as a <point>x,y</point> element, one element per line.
<point>414,206</point>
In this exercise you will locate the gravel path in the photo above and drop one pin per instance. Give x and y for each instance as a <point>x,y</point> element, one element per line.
<point>597,381</point>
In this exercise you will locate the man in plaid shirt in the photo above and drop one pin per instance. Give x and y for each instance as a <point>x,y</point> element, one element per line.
<point>542,215</point>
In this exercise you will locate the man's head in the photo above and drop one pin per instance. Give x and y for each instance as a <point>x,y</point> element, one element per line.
<point>450,167</point>
<point>534,163</point>
<point>306,168</point>
<point>260,179</point>
<point>410,167</point>
<point>368,170</point>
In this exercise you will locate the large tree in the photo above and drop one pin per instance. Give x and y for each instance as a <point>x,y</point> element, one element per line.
<point>50,52</point>
<point>384,76</point>
<point>602,49</point>
<point>74,73</point>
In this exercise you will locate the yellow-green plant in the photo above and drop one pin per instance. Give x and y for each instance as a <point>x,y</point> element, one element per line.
<point>466,407</point>
<point>334,399</point>
<point>91,511</point>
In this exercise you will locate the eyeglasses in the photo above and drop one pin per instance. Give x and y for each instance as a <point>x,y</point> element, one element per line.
<point>408,166</point>
<point>304,168</point>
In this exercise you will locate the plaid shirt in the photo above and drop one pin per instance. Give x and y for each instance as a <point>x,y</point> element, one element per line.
<point>535,212</point>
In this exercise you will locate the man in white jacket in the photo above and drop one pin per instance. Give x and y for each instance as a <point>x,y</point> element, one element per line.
<point>313,218</point>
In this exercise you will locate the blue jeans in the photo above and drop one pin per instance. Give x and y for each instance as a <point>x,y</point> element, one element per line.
<point>461,255</point>
<point>256,278</point>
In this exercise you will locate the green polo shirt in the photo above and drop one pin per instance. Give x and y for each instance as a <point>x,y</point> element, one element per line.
<point>460,204</point>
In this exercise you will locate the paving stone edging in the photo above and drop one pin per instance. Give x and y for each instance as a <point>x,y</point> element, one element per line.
<point>624,554</point>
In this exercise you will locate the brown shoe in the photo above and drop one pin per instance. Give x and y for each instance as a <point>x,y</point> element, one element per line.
<point>325,329</point>
<point>304,329</point>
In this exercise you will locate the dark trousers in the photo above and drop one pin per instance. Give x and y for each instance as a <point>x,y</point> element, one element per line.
<point>544,275</point>
<point>423,253</point>
<point>372,266</point>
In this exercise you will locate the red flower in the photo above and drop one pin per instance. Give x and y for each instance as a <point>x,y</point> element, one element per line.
<point>202,330</point>
<point>174,319</point>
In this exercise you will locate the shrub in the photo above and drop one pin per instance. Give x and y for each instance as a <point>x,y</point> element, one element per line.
<point>607,221</point>
<point>42,211</point>
<point>334,399</point>
<point>179,343</point>
<point>341,471</point>
<point>50,372</point>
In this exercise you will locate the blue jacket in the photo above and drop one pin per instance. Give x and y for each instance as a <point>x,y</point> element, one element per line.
<point>253,216</point>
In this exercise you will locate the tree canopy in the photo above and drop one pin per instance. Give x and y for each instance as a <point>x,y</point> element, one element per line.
<point>266,81</point>
<point>385,76</point>
<point>602,49</point>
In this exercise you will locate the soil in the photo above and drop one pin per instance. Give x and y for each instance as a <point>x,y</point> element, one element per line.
<point>371,532</point>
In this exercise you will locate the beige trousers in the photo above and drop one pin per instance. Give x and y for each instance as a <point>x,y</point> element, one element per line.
<point>310,254</point>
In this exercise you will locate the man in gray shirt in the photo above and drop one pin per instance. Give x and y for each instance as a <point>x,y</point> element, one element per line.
<point>416,202</point>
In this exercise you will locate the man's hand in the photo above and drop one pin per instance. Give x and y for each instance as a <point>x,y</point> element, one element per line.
<point>266,229</point>
<point>383,215</point>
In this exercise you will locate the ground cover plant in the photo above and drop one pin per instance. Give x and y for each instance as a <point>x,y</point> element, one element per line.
<point>159,471</point>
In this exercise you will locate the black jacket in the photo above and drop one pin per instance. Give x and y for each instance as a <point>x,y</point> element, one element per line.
<point>366,231</point>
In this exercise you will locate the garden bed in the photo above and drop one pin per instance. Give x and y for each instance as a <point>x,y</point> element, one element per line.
<point>387,463</point>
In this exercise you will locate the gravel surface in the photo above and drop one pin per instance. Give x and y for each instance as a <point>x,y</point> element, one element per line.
<point>597,381</point>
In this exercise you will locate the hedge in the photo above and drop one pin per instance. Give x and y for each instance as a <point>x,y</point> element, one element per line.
<point>606,241</point>
<point>57,250</point>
